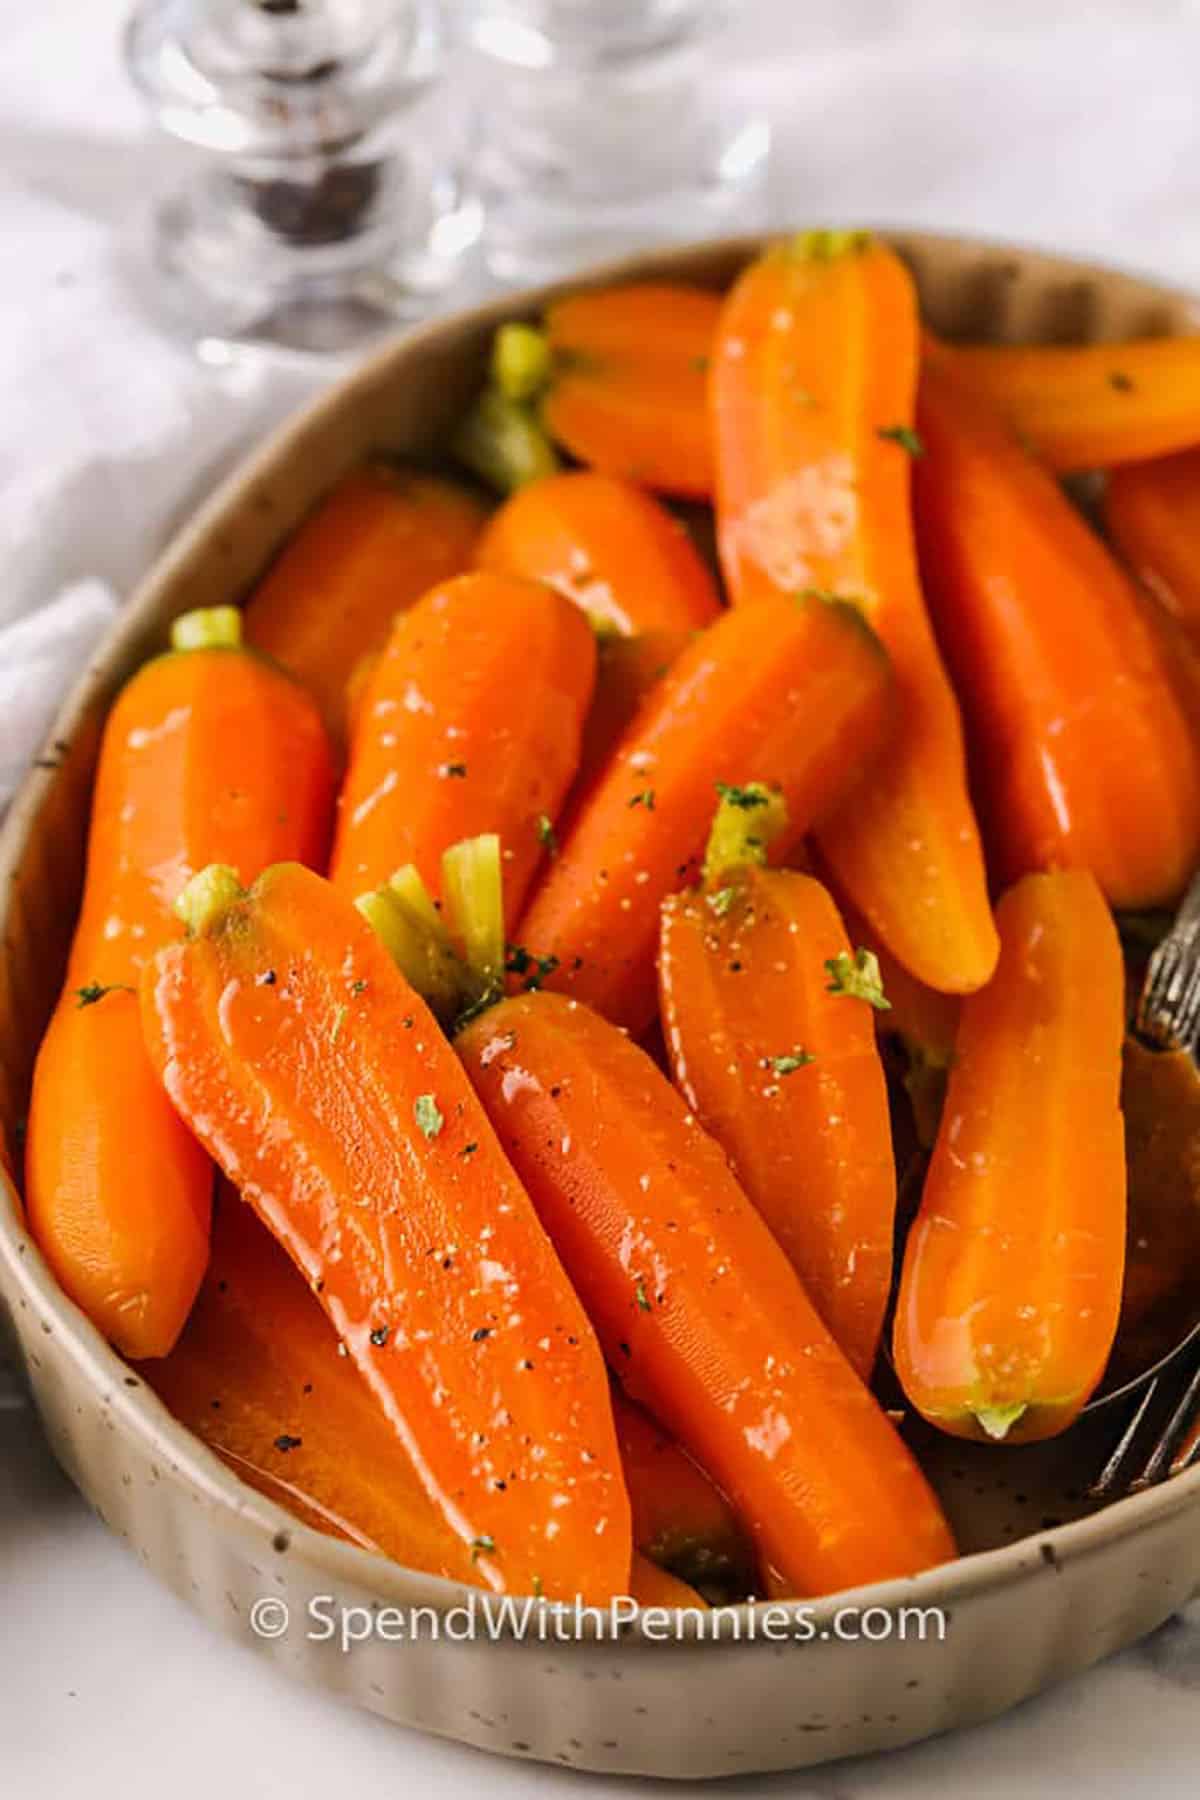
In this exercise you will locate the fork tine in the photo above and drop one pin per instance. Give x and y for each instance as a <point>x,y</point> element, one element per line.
<point>1110,1477</point>
<point>1183,1415</point>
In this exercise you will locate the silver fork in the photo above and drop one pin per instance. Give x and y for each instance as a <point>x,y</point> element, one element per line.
<point>1162,1438</point>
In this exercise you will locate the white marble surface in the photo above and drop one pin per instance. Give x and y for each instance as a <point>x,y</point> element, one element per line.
<point>1072,125</point>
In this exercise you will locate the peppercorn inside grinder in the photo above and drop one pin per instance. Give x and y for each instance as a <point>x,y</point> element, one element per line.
<point>323,198</point>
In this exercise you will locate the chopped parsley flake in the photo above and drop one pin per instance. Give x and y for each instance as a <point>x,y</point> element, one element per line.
<point>858,978</point>
<point>481,1545</point>
<point>428,1115</point>
<point>722,900</point>
<point>454,771</point>
<point>645,798</point>
<point>285,1443</point>
<point>379,1336</point>
<point>95,990</point>
<point>546,834</point>
<point>520,961</point>
<point>905,436</point>
<point>641,1297</point>
<point>799,1058</point>
<point>746,798</point>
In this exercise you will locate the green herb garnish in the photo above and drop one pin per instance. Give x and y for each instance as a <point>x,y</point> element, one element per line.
<point>905,436</point>
<point>428,1115</point>
<point>857,977</point>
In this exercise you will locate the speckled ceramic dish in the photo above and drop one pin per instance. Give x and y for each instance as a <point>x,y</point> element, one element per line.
<point>1045,1589</point>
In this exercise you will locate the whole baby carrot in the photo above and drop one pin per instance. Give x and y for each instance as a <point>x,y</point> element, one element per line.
<point>767,1013</point>
<point>386,1185</point>
<point>1084,406</point>
<point>208,751</point>
<point>1012,1275</point>
<point>1152,512</point>
<point>470,722</point>
<point>377,541</point>
<point>608,546</point>
<point>1081,752</point>
<point>697,1308</point>
<point>790,692</point>
<point>813,384</point>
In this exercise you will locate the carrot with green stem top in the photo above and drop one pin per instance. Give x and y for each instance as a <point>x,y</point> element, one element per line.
<point>1082,754</point>
<point>377,541</point>
<point>794,693</point>
<point>1011,1285</point>
<point>698,1310</point>
<point>471,722</point>
<point>616,375</point>
<point>208,751</point>
<point>1087,406</point>
<point>768,1017</point>
<point>813,386</point>
<point>386,1185</point>
<point>608,546</point>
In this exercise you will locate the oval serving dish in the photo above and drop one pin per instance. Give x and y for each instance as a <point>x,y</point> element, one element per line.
<point>1048,1585</point>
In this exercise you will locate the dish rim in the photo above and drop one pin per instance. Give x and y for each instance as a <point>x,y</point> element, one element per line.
<point>27,1280</point>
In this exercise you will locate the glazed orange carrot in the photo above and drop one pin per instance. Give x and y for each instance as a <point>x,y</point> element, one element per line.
<point>790,692</point>
<point>606,545</point>
<point>813,382</point>
<point>378,541</point>
<point>258,1376</point>
<point>768,1019</point>
<point>1012,1275</point>
<point>207,752</point>
<point>1086,406</point>
<point>1152,511</point>
<point>1081,752</point>
<point>698,1310</point>
<point>627,670</point>
<point>470,722</point>
<point>386,1185</point>
<point>627,394</point>
<point>681,1522</point>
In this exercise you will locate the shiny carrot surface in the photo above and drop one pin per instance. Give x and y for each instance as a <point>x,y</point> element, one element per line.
<point>1081,752</point>
<point>681,1521</point>
<point>627,395</point>
<point>470,722</point>
<point>384,1181</point>
<point>377,541</point>
<point>698,1310</point>
<point>257,1375</point>
<point>609,547</point>
<point>1012,1275</point>
<point>1152,511</point>
<point>776,1056</point>
<point>813,382</point>
<point>208,752</point>
<point>793,693</point>
<point>1084,406</point>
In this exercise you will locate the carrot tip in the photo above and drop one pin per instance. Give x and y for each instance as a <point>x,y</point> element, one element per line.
<point>406,922</point>
<point>208,628</point>
<point>474,888</point>
<point>208,897</point>
<point>827,246</point>
<point>521,359</point>
<point>501,441</point>
<point>998,1421</point>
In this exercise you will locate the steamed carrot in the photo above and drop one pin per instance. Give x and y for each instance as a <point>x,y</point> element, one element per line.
<point>790,692</point>
<point>470,722</point>
<point>385,1183</point>
<point>698,1310</point>
<point>767,1012</point>
<point>627,392</point>
<point>681,1521</point>
<point>1082,755</point>
<point>1083,406</point>
<point>208,751</point>
<point>606,545</point>
<point>1152,511</point>
<point>813,385</point>
<point>377,541</point>
<point>257,1375</point>
<point>1012,1275</point>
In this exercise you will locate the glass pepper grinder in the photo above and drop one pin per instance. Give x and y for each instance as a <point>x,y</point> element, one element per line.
<point>323,196</point>
<point>605,125</point>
